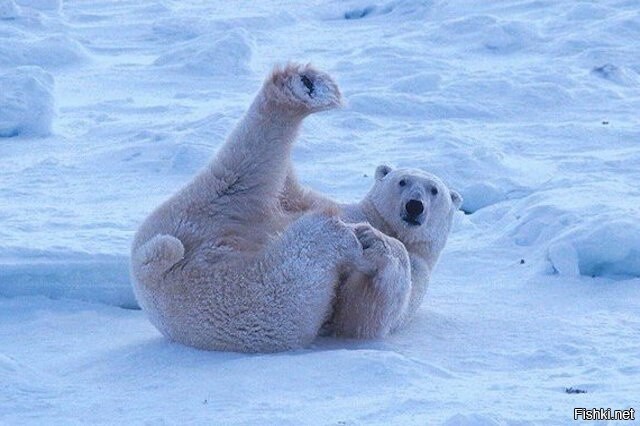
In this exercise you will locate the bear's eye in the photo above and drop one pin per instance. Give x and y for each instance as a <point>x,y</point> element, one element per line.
<point>402,182</point>
<point>434,191</point>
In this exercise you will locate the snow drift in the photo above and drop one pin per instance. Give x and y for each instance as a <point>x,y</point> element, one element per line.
<point>26,102</point>
<point>599,248</point>
<point>205,55</point>
<point>528,108</point>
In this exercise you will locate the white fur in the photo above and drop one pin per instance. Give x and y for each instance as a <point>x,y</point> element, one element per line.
<point>245,259</point>
<point>404,255</point>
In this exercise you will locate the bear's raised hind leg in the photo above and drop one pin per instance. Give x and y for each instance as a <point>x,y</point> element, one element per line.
<point>254,161</point>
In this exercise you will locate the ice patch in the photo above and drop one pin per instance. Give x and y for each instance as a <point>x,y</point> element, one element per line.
<point>26,102</point>
<point>203,56</point>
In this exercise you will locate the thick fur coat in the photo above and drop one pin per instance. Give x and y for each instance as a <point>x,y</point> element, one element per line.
<point>246,259</point>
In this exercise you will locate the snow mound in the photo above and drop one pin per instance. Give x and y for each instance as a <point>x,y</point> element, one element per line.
<point>228,55</point>
<point>9,9</point>
<point>589,229</point>
<point>48,52</point>
<point>91,277</point>
<point>538,221</point>
<point>599,249</point>
<point>482,194</point>
<point>26,102</point>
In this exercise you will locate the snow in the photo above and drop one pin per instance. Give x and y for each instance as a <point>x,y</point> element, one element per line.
<point>229,55</point>
<point>51,5</point>
<point>8,9</point>
<point>597,248</point>
<point>26,102</point>
<point>46,52</point>
<point>528,108</point>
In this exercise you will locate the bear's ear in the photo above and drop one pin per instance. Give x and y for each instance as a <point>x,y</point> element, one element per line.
<point>382,170</point>
<point>456,198</point>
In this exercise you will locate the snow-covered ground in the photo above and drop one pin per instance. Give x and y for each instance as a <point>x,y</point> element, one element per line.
<point>529,108</point>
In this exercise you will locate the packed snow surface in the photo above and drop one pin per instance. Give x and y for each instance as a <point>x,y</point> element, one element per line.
<point>528,108</point>
<point>26,102</point>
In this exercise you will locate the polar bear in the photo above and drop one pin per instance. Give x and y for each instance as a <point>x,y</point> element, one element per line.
<point>403,224</point>
<point>246,259</point>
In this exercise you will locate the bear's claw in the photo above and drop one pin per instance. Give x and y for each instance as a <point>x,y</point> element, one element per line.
<point>367,235</point>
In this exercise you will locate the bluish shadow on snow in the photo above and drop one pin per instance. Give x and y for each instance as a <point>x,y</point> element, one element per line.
<point>591,231</point>
<point>598,248</point>
<point>365,9</point>
<point>89,277</point>
<point>360,13</point>
<point>617,75</point>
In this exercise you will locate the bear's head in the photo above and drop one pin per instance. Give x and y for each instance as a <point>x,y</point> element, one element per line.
<point>417,206</point>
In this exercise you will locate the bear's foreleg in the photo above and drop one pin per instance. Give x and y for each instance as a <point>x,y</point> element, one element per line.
<point>374,298</point>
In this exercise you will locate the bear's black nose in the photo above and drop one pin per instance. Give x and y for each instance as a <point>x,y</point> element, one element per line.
<point>414,208</point>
